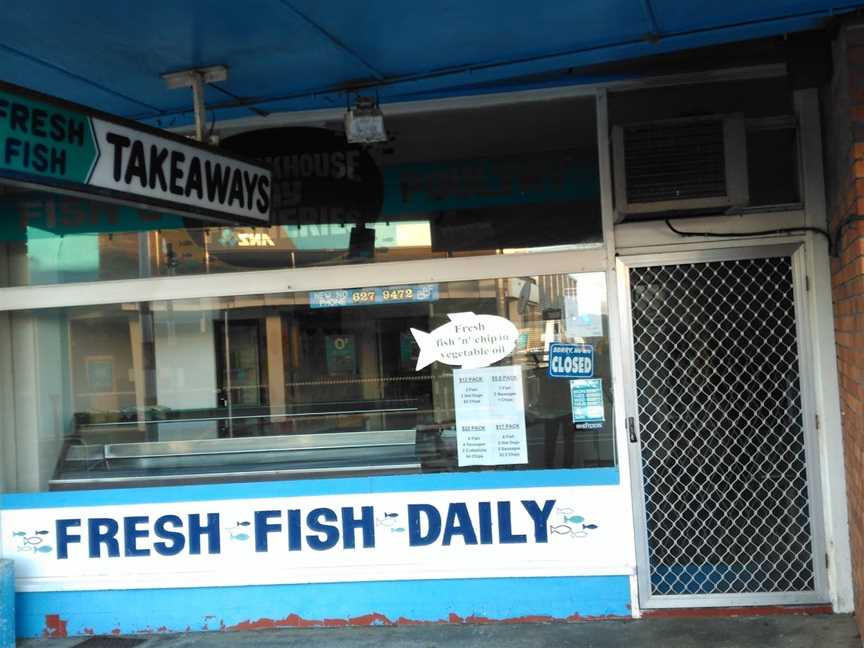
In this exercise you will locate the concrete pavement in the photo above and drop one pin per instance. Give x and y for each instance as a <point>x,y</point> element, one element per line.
<point>784,631</point>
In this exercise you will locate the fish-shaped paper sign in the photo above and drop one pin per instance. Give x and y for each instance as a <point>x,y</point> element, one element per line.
<point>468,340</point>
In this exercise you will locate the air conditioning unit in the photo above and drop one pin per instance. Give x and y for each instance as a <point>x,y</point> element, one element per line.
<point>680,165</point>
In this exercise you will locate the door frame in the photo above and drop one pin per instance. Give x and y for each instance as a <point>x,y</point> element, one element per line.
<point>796,252</point>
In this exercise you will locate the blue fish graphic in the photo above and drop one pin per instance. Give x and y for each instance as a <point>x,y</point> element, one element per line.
<point>560,529</point>
<point>243,523</point>
<point>19,534</point>
<point>43,549</point>
<point>575,519</point>
<point>239,536</point>
<point>42,532</point>
<point>386,515</point>
<point>397,530</point>
<point>589,526</point>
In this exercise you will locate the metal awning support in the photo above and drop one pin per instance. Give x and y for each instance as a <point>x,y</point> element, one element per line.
<point>195,79</point>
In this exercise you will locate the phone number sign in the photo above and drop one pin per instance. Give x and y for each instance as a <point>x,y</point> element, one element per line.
<point>378,295</point>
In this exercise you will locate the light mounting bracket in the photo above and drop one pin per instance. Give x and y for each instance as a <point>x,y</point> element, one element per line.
<point>195,78</point>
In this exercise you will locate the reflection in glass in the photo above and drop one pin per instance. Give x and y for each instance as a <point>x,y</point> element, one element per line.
<point>309,384</point>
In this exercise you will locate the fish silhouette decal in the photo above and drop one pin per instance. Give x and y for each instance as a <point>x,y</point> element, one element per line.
<point>572,525</point>
<point>467,340</point>
<point>389,520</point>
<point>33,541</point>
<point>236,532</point>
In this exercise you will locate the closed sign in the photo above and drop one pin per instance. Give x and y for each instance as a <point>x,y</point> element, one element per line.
<point>571,360</point>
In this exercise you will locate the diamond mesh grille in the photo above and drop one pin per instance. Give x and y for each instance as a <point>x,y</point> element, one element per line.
<point>722,440</point>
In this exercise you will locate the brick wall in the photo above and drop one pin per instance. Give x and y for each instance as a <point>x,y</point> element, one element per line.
<point>843,132</point>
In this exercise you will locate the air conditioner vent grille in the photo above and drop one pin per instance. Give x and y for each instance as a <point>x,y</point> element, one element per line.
<point>677,161</point>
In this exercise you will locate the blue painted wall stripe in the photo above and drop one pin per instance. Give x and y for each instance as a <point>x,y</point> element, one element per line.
<point>177,610</point>
<point>7,604</point>
<point>352,485</point>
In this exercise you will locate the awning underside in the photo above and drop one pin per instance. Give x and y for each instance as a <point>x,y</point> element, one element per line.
<point>291,55</point>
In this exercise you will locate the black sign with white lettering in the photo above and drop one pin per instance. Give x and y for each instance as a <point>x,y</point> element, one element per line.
<point>317,176</point>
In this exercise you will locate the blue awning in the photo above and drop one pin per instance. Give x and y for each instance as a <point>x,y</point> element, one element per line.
<point>289,55</point>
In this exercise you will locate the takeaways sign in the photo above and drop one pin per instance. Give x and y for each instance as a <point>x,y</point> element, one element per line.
<point>47,142</point>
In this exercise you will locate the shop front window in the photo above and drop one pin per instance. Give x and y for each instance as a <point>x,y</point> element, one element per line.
<point>506,373</point>
<point>473,182</point>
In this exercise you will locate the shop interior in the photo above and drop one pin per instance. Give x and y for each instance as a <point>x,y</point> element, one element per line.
<point>289,385</point>
<point>319,383</point>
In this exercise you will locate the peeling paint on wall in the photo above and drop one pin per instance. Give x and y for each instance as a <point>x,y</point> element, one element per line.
<point>386,603</point>
<point>55,627</point>
<point>378,619</point>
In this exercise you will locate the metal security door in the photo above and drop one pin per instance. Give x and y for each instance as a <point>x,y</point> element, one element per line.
<point>723,436</point>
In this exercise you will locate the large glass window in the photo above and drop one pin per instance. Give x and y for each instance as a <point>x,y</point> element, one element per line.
<point>498,180</point>
<point>432,377</point>
<point>505,373</point>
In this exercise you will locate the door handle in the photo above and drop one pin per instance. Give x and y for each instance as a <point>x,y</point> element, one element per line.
<point>631,429</point>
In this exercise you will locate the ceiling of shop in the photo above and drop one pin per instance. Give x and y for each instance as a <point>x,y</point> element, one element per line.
<point>288,55</point>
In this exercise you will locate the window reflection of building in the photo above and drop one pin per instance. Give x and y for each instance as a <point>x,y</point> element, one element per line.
<point>274,367</point>
<point>242,385</point>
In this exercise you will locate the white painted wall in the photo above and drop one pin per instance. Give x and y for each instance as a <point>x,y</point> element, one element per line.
<point>34,365</point>
<point>43,403</point>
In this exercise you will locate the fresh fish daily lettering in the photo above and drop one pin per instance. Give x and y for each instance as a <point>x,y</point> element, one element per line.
<point>298,530</point>
<point>289,536</point>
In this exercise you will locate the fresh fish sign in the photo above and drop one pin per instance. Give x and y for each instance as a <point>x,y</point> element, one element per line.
<point>49,142</point>
<point>468,340</point>
<point>335,538</point>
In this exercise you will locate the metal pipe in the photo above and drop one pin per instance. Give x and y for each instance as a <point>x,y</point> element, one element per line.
<point>197,79</point>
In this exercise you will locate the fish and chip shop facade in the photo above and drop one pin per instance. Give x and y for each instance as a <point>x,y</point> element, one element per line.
<point>549,354</point>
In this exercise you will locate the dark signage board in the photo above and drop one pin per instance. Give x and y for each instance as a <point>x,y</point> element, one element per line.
<point>318,177</point>
<point>46,142</point>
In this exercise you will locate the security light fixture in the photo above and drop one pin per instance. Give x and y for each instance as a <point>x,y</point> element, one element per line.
<point>364,123</point>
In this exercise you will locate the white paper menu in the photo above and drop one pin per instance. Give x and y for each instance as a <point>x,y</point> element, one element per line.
<point>490,416</point>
